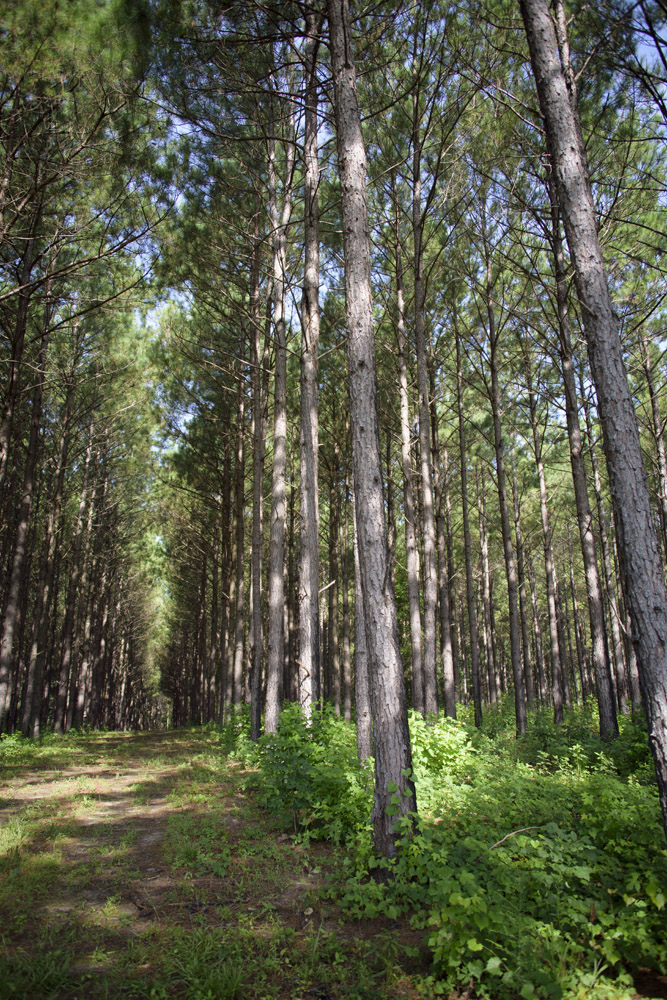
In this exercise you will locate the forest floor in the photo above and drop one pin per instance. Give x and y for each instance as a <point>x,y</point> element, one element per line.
<point>141,866</point>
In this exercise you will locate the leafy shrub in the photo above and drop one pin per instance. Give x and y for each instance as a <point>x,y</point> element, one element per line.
<point>310,775</point>
<point>535,880</point>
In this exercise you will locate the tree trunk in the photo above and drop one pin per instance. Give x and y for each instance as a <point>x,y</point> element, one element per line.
<point>491,669</point>
<point>470,583</point>
<point>642,568</point>
<point>523,600</point>
<point>309,621</point>
<point>501,484</point>
<point>239,555</point>
<point>411,547</point>
<point>658,435</point>
<point>430,571</point>
<point>444,604</point>
<point>557,653</point>
<point>609,571</point>
<point>20,554</point>
<point>277,531</point>
<point>604,689</point>
<point>344,546</point>
<point>362,695</point>
<point>394,788</point>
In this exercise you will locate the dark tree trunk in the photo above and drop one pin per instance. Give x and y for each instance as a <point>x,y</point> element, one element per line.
<point>17,579</point>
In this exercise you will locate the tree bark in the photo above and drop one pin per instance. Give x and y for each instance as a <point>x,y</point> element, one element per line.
<point>430,570</point>
<point>641,565</point>
<point>20,554</point>
<point>491,668</point>
<point>557,654</point>
<point>362,694</point>
<point>277,531</point>
<point>501,485</point>
<point>444,580</point>
<point>604,689</point>
<point>470,583</point>
<point>309,620</point>
<point>523,601</point>
<point>394,788</point>
<point>411,547</point>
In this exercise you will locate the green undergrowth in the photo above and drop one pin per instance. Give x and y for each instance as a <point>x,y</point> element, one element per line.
<point>537,867</point>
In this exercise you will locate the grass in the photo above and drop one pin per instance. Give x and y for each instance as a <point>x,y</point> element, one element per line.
<point>193,865</point>
<point>143,867</point>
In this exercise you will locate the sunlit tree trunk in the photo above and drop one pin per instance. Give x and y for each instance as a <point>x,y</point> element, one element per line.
<point>309,621</point>
<point>411,546</point>
<point>642,567</point>
<point>277,530</point>
<point>501,485</point>
<point>607,563</point>
<point>523,600</point>
<point>491,668</point>
<point>444,603</point>
<point>393,760</point>
<point>430,569</point>
<point>604,689</point>
<point>467,545</point>
<point>362,694</point>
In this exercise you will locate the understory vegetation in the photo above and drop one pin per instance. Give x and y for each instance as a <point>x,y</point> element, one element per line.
<point>196,864</point>
<point>537,867</point>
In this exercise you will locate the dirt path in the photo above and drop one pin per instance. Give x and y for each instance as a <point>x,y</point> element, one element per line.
<point>140,865</point>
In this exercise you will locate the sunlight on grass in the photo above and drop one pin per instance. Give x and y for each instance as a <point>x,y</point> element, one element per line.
<point>537,869</point>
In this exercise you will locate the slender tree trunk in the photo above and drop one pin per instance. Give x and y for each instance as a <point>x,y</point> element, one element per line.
<point>604,689</point>
<point>658,435</point>
<point>501,484</point>
<point>20,555</point>
<point>486,591</point>
<point>344,545</point>
<point>258,454</point>
<point>225,580</point>
<point>523,599</point>
<point>362,694</point>
<point>332,593</point>
<point>642,567</point>
<point>212,671</point>
<point>446,650</point>
<point>309,621</point>
<point>578,630</point>
<point>31,698</point>
<point>539,644</point>
<point>609,573</point>
<point>470,583</point>
<point>277,531</point>
<point>239,555</point>
<point>18,344</point>
<point>411,547</point>
<point>557,653</point>
<point>430,571</point>
<point>393,760</point>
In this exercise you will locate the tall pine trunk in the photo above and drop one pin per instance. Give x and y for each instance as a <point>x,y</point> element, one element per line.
<point>641,565</point>
<point>394,788</point>
<point>309,620</point>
